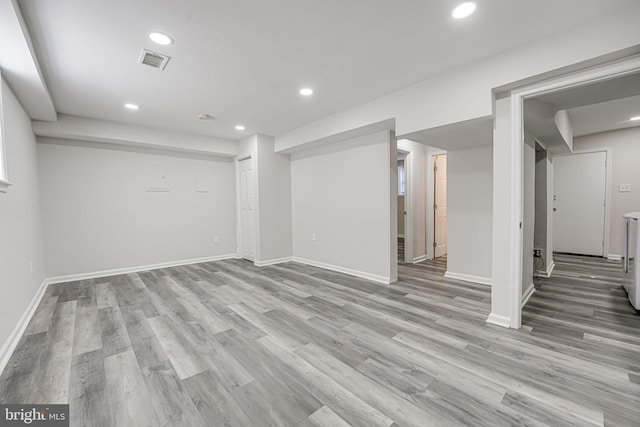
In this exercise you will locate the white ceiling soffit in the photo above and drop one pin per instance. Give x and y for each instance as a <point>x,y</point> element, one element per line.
<point>605,116</point>
<point>457,136</point>
<point>607,90</point>
<point>593,108</point>
<point>244,62</point>
<point>19,64</point>
<point>539,121</point>
<point>83,129</point>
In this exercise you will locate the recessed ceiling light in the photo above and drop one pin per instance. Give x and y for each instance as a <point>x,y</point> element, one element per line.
<point>131,106</point>
<point>634,119</point>
<point>239,127</point>
<point>306,91</point>
<point>160,38</point>
<point>464,10</point>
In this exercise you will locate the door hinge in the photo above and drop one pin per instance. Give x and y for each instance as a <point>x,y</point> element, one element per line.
<point>435,206</point>
<point>435,245</point>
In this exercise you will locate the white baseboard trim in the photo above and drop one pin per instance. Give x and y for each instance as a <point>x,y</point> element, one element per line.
<point>273,261</point>
<point>12,341</point>
<point>361,274</point>
<point>614,257</point>
<point>127,270</point>
<point>498,320</point>
<point>420,259</point>
<point>550,268</point>
<point>527,294</point>
<point>469,278</point>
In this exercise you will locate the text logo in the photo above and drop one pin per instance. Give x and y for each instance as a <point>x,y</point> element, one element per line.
<point>34,415</point>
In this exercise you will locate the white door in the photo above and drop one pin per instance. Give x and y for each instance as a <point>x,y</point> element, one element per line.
<point>579,193</point>
<point>247,211</point>
<point>440,205</point>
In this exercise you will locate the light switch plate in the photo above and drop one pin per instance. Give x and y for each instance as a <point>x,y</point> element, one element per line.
<point>625,188</point>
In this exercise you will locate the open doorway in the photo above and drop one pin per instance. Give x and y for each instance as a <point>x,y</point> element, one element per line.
<point>439,205</point>
<point>575,177</point>
<point>412,201</point>
<point>404,226</point>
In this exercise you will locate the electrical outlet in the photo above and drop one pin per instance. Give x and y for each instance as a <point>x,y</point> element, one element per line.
<point>313,236</point>
<point>216,239</point>
<point>625,188</point>
<point>537,253</point>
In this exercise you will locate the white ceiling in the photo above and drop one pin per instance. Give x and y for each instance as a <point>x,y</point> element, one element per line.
<point>244,61</point>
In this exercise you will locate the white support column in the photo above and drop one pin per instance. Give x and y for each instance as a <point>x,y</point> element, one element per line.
<point>393,207</point>
<point>507,214</point>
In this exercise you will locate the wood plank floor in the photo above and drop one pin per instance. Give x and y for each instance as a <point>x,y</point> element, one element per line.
<point>229,344</point>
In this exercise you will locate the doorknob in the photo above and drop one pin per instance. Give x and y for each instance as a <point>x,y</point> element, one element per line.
<point>554,209</point>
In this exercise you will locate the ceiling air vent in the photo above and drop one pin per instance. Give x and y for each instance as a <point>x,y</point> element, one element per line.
<point>153,59</point>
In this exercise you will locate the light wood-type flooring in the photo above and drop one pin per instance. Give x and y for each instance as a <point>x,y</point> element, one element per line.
<point>229,344</point>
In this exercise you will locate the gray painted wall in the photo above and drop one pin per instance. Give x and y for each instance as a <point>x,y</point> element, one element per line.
<point>625,145</point>
<point>274,199</point>
<point>20,227</point>
<point>98,216</point>
<point>343,195</point>
<point>469,210</point>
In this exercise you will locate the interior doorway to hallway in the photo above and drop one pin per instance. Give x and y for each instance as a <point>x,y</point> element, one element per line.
<point>415,201</point>
<point>439,205</point>
<point>404,226</point>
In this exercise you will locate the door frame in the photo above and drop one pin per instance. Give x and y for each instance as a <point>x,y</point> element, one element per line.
<point>607,192</point>
<point>513,266</point>
<point>430,198</point>
<point>408,206</point>
<point>254,165</point>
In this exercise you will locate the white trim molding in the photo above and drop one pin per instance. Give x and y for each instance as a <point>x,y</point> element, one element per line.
<point>420,259</point>
<point>499,320</point>
<point>12,341</point>
<point>127,270</point>
<point>527,294</point>
<point>4,186</point>
<point>273,261</point>
<point>549,270</point>
<point>362,274</point>
<point>468,278</point>
<point>614,257</point>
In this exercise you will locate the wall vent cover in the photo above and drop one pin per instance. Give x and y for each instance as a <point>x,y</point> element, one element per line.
<point>153,59</point>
